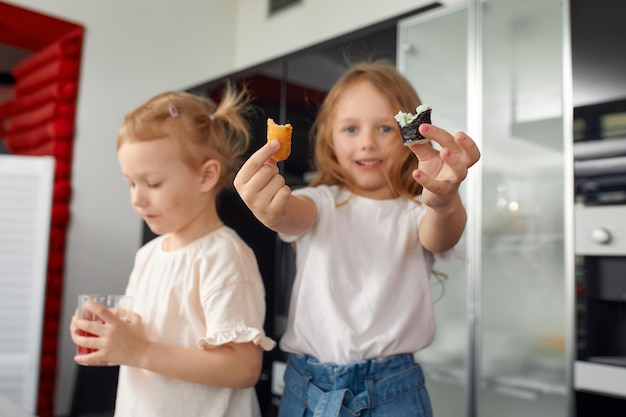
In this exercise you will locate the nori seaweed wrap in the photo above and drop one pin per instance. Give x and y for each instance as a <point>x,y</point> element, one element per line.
<point>410,123</point>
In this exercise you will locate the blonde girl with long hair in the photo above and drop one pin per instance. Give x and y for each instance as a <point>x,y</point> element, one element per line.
<point>367,232</point>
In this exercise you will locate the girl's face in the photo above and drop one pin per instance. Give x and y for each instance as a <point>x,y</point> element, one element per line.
<point>364,133</point>
<point>164,191</point>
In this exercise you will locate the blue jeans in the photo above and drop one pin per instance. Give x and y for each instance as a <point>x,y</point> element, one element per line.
<point>388,387</point>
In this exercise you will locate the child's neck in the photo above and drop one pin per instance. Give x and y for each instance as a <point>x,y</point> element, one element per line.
<point>207,223</point>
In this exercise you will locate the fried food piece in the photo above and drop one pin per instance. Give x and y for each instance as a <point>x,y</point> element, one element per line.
<point>282,133</point>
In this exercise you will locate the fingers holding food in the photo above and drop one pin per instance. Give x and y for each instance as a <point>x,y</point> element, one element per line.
<point>410,123</point>
<point>282,133</point>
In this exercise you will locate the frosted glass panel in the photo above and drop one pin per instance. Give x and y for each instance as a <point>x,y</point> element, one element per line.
<point>434,59</point>
<point>522,360</point>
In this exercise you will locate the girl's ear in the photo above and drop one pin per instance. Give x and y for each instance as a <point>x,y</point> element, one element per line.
<point>210,172</point>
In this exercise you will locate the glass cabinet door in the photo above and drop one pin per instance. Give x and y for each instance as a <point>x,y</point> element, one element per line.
<point>433,56</point>
<point>522,357</point>
<point>514,362</point>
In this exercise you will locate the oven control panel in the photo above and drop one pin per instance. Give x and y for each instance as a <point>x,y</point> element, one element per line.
<point>600,230</point>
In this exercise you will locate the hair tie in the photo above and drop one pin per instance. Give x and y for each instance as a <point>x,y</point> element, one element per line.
<point>173,110</point>
<point>212,117</point>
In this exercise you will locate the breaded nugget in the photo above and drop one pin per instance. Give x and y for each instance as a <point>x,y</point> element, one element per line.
<point>282,133</point>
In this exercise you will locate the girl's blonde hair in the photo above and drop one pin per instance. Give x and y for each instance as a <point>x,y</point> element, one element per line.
<point>201,128</point>
<point>401,95</point>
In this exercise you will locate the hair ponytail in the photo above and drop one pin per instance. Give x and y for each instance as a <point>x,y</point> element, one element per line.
<point>201,128</point>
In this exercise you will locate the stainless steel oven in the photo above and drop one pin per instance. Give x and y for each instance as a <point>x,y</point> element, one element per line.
<point>600,366</point>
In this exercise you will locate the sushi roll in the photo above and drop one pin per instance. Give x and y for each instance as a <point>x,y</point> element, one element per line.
<point>409,124</point>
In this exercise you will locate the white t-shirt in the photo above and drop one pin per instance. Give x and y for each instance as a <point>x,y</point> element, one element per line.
<point>208,293</point>
<point>361,289</point>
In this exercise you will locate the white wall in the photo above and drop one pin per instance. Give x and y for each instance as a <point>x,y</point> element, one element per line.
<point>133,50</point>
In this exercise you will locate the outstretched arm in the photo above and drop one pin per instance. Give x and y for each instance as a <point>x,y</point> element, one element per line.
<point>264,191</point>
<point>440,172</point>
<point>234,365</point>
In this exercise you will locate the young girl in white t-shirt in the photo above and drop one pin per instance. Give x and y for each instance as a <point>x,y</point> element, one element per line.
<point>194,344</point>
<point>367,232</point>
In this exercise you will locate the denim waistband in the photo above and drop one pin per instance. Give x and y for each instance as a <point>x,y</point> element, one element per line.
<point>326,388</point>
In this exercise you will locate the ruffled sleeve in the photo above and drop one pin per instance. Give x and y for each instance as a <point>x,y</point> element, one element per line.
<point>235,313</point>
<point>237,335</point>
<point>233,298</point>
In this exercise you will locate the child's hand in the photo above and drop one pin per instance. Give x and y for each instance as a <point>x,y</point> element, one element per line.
<point>73,328</point>
<point>441,172</point>
<point>116,341</point>
<point>261,186</point>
